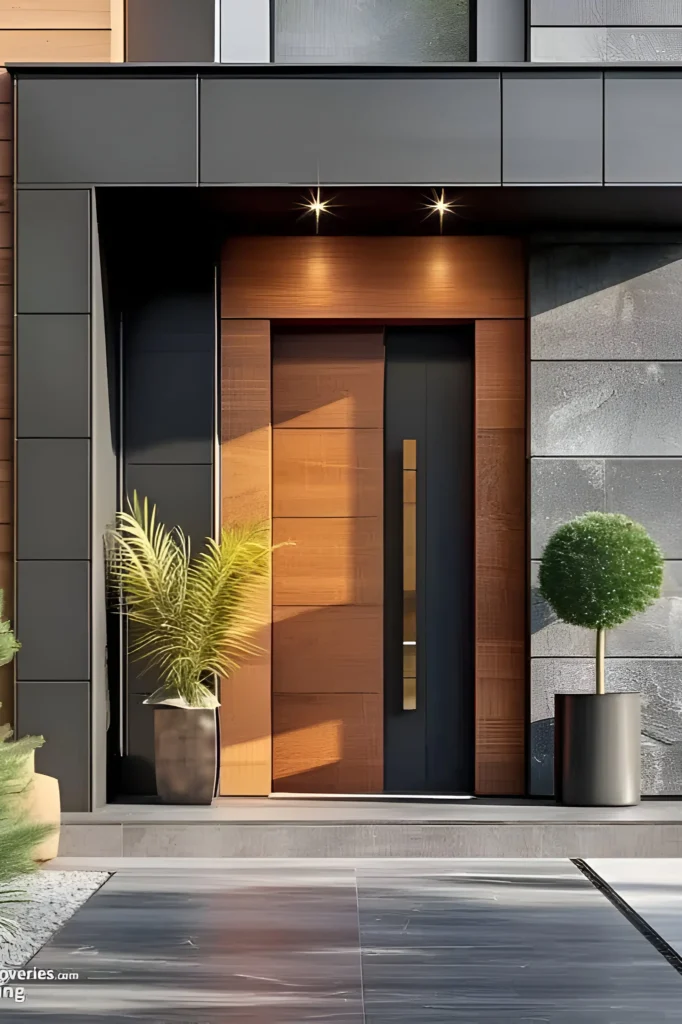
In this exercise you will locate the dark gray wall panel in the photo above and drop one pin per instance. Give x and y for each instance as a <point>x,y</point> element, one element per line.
<point>643,113</point>
<point>384,31</point>
<point>655,633</point>
<point>53,251</point>
<point>61,713</point>
<point>658,681</point>
<point>561,45</point>
<point>606,408</point>
<point>501,30</point>
<point>170,30</point>
<point>183,496</point>
<point>277,131</point>
<point>606,12</point>
<point>53,622</point>
<point>552,128</point>
<point>611,301</point>
<point>53,498</point>
<point>107,131</point>
<point>169,412</point>
<point>53,375</point>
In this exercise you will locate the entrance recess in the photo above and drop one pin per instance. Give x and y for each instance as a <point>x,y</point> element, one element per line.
<point>305,404</point>
<point>428,594</point>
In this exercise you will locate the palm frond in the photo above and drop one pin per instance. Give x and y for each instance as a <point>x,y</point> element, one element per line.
<point>192,619</point>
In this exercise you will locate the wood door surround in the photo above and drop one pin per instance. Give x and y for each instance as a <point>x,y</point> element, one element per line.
<point>362,284</point>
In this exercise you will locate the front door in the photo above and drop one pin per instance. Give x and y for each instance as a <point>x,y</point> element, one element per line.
<point>429,545</point>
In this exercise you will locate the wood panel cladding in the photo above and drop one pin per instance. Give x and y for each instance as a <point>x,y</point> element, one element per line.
<point>328,581</point>
<point>374,278</point>
<point>245,459</point>
<point>42,14</point>
<point>500,557</point>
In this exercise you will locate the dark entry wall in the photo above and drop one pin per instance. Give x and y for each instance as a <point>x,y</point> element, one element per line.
<point>162,272</point>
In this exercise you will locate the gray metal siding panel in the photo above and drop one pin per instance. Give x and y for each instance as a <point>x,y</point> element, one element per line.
<point>606,12</point>
<point>107,131</point>
<point>501,30</point>
<point>552,128</point>
<point>61,713</point>
<point>170,30</point>
<point>351,131</point>
<point>53,251</point>
<point>643,118</point>
<point>169,415</point>
<point>53,621</point>
<point>53,375</point>
<point>183,496</point>
<point>53,498</point>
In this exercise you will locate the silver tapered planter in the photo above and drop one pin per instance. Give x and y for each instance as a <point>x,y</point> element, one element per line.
<point>185,754</point>
<point>597,749</point>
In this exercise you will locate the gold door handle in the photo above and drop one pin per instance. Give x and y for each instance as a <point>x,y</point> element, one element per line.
<point>409,575</point>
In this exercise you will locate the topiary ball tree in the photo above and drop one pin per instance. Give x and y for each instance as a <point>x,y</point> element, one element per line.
<point>598,571</point>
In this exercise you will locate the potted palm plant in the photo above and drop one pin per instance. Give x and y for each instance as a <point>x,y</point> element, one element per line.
<point>597,571</point>
<point>193,620</point>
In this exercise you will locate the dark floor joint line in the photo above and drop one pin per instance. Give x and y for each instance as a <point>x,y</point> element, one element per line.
<point>642,926</point>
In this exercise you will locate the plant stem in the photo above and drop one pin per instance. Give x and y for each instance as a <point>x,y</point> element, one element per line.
<point>601,643</point>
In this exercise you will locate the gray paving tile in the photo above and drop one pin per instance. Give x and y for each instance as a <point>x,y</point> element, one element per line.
<point>506,947</point>
<point>652,888</point>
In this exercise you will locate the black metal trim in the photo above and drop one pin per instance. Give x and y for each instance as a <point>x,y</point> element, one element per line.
<point>638,922</point>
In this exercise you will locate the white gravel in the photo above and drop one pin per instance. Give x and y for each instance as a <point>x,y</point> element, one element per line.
<point>54,897</point>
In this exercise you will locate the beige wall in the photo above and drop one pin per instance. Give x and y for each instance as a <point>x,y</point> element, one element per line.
<point>78,31</point>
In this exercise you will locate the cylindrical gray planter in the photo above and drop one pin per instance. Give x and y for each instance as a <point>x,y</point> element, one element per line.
<point>597,749</point>
<point>186,754</point>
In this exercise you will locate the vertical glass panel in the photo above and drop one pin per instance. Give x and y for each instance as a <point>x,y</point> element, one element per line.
<point>409,575</point>
<point>371,31</point>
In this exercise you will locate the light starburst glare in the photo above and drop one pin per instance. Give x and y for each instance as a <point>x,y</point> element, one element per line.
<point>317,206</point>
<point>440,205</point>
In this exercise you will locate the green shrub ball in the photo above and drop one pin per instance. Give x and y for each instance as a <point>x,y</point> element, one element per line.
<point>600,569</point>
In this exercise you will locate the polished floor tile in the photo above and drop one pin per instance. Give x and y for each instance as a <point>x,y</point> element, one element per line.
<point>371,942</point>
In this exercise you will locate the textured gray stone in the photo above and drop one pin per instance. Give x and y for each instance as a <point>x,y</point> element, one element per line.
<point>610,301</point>
<point>606,408</point>
<point>597,45</point>
<point>561,489</point>
<point>650,491</point>
<point>660,683</point>
<point>655,633</point>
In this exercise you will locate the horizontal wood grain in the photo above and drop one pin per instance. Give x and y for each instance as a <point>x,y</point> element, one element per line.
<point>6,86</point>
<point>328,473</point>
<point>6,501</point>
<point>42,14</point>
<point>6,238</point>
<point>501,375</point>
<point>6,266</point>
<point>381,278</point>
<point>6,387</point>
<point>54,46</point>
<point>334,649</point>
<point>332,380</point>
<point>245,461</point>
<point>6,440</point>
<point>245,434</point>
<point>500,557</point>
<point>328,743</point>
<point>332,561</point>
<point>6,121</point>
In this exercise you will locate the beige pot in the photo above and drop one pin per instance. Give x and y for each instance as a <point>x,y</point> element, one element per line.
<point>40,803</point>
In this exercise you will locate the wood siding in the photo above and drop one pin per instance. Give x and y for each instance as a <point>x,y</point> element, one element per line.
<point>328,579</point>
<point>500,569</point>
<point>245,461</point>
<point>375,278</point>
<point>32,31</point>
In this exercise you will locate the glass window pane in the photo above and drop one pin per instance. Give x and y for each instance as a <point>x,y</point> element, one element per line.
<point>371,31</point>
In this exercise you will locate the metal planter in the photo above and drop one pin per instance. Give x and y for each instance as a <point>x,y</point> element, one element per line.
<point>597,755</point>
<point>186,754</point>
